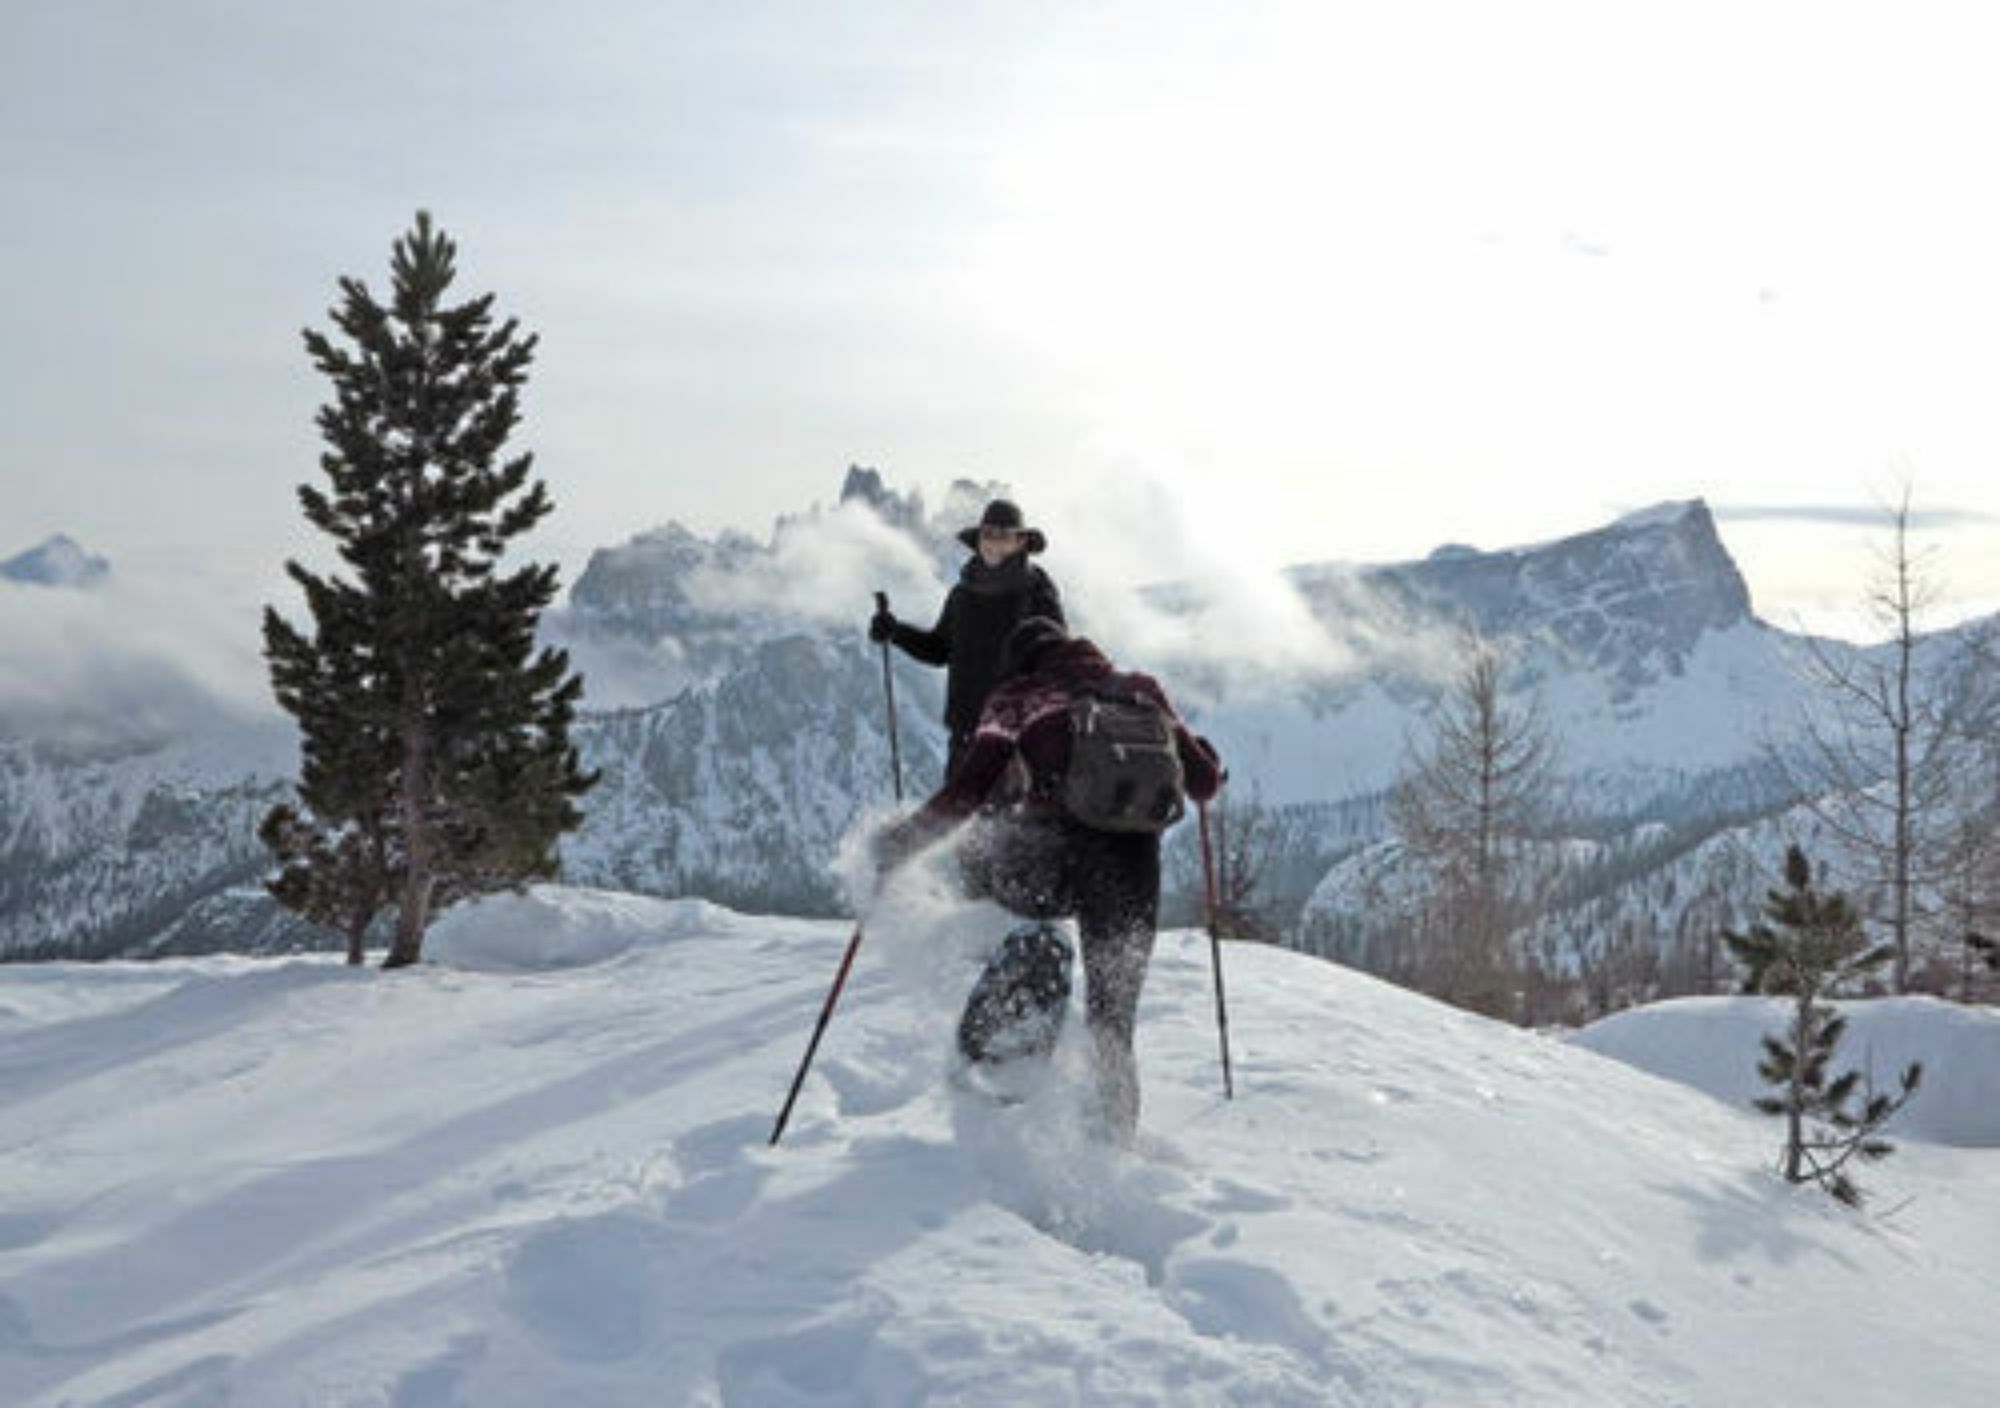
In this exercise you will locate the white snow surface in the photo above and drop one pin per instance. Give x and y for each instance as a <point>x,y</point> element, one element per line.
<point>1714,1044</point>
<point>505,1181</point>
<point>555,928</point>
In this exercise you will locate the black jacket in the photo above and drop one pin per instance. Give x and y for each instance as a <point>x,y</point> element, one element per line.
<point>977,615</point>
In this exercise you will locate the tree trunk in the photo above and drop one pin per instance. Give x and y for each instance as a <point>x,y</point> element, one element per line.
<point>413,916</point>
<point>1795,1094</point>
<point>1903,724</point>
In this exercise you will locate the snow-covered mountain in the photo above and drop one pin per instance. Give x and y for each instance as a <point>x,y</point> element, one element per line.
<point>562,1193</point>
<point>741,788</point>
<point>1631,601</point>
<point>1637,639</point>
<point>670,608</point>
<point>756,732</point>
<point>57,562</point>
<point>139,849</point>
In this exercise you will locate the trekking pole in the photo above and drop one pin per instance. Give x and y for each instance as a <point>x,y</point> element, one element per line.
<point>889,688</point>
<point>825,1016</point>
<point>1215,952</point>
<point>854,942</point>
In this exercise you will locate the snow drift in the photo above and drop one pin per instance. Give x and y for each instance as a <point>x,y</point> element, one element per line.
<point>1713,1044</point>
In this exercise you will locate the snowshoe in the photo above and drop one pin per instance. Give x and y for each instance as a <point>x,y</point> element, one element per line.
<point>1015,1011</point>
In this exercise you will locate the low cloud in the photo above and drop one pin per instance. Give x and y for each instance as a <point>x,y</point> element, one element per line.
<point>824,568</point>
<point>817,570</point>
<point>1150,573</point>
<point>619,671</point>
<point>1853,515</point>
<point>1159,577</point>
<point>128,661</point>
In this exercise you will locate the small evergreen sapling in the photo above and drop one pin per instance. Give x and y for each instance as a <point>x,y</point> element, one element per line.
<point>1811,946</point>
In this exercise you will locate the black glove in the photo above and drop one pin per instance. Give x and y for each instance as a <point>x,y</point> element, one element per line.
<point>1221,772</point>
<point>881,626</point>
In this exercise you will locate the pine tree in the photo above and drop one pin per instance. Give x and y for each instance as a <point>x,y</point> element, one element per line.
<point>1813,945</point>
<point>435,753</point>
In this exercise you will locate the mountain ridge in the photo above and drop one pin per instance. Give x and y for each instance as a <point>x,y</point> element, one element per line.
<point>763,735</point>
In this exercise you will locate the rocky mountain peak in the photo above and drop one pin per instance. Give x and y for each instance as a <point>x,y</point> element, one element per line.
<point>1639,591</point>
<point>652,586</point>
<point>866,486</point>
<point>1630,598</point>
<point>57,562</point>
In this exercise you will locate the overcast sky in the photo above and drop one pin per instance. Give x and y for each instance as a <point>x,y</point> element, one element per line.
<point>1316,281</point>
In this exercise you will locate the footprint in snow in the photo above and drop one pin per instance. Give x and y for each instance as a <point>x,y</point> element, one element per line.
<point>438,1383</point>
<point>862,1087</point>
<point>15,1331</point>
<point>1226,1299</point>
<point>1101,1201</point>
<point>715,1199</point>
<point>588,1286</point>
<point>841,1363</point>
<point>1230,1197</point>
<point>1649,1312</point>
<point>709,1147</point>
<point>25,1229</point>
<point>1112,1222</point>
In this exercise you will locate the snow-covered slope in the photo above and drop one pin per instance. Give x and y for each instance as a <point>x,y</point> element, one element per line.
<point>233,1181</point>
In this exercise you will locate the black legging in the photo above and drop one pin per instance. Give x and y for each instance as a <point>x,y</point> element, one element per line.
<point>1044,866</point>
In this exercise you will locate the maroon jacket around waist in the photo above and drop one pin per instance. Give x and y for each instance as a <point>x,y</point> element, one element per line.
<point>1029,714</point>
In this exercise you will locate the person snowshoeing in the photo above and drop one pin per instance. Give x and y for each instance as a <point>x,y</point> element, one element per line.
<point>997,588</point>
<point>1108,762</point>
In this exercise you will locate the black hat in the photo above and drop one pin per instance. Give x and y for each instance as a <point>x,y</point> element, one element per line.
<point>1003,513</point>
<point>1026,643</point>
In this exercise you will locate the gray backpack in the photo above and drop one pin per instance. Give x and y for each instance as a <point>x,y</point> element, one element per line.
<point>1124,769</point>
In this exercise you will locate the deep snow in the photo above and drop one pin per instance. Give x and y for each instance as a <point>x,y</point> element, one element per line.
<point>537,1174</point>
